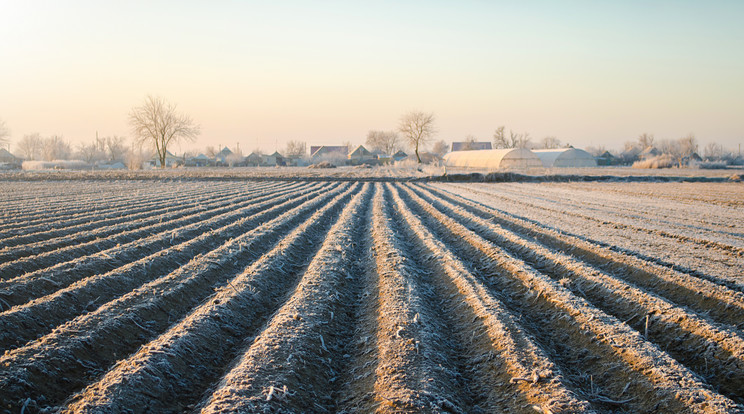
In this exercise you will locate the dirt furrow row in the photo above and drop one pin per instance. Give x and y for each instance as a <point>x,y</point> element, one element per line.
<point>505,370</point>
<point>84,348</point>
<point>724,245</point>
<point>170,373</point>
<point>399,364</point>
<point>714,352</point>
<point>294,363</point>
<point>157,225</point>
<point>51,224</point>
<point>700,261</point>
<point>31,243</point>
<point>41,315</point>
<point>719,302</point>
<point>21,289</point>
<point>40,198</point>
<point>612,365</point>
<point>647,210</point>
<point>85,209</point>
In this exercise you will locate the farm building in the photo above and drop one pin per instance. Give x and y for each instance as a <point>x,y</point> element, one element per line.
<point>399,156</point>
<point>329,151</point>
<point>8,160</point>
<point>607,159</point>
<point>360,155</point>
<point>565,157</point>
<point>493,159</point>
<point>254,159</point>
<point>200,160</point>
<point>274,159</point>
<point>471,146</point>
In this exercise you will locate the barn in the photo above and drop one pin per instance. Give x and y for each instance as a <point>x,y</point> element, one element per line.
<point>493,159</point>
<point>565,158</point>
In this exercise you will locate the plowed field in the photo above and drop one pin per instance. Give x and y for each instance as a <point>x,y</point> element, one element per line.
<point>353,296</point>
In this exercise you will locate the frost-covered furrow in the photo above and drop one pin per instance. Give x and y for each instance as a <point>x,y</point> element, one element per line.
<point>714,222</point>
<point>294,362</point>
<point>410,370</point>
<point>87,346</point>
<point>50,222</point>
<point>501,367</point>
<point>19,290</point>
<point>725,243</point>
<point>103,202</point>
<point>718,302</point>
<point>610,364</point>
<point>62,234</point>
<point>695,260</point>
<point>37,196</point>
<point>41,315</point>
<point>169,373</point>
<point>47,255</point>
<point>714,352</point>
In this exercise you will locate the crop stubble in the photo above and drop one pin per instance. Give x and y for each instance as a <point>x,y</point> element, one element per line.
<point>345,297</point>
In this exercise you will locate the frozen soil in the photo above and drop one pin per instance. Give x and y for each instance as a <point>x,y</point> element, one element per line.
<point>219,295</point>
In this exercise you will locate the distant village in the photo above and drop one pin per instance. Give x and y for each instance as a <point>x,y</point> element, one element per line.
<point>642,154</point>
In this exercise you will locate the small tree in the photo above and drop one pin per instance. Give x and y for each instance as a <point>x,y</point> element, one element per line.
<point>550,143</point>
<point>645,140</point>
<point>499,138</point>
<point>417,128</point>
<point>89,153</point>
<point>55,148</point>
<point>115,148</point>
<point>440,148</point>
<point>156,122</point>
<point>295,149</point>
<point>30,146</point>
<point>4,133</point>
<point>384,141</point>
<point>470,141</point>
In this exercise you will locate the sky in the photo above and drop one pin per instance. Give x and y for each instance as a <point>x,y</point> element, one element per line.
<point>258,74</point>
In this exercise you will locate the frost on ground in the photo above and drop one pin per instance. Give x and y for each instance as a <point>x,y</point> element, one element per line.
<point>235,294</point>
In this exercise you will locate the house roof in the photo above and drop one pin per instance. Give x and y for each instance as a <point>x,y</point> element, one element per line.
<point>360,151</point>
<point>341,150</point>
<point>6,156</point>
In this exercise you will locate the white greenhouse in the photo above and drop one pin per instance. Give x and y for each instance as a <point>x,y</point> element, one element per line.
<point>493,159</point>
<point>565,157</point>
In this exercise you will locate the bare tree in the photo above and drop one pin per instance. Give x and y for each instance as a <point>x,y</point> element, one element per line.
<point>4,133</point>
<point>30,146</point>
<point>550,143</point>
<point>210,151</point>
<point>713,151</point>
<point>499,138</point>
<point>295,149</point>
<point>470,141</point>
<point>90,153</point>
<point>385,141</point>
<point>418,128</point>
<point>55,148</point>
<point>645,140</point>
<point>156,122</point>
<point>440,148</point>
<point>115,148</point>
<point>135,156</point>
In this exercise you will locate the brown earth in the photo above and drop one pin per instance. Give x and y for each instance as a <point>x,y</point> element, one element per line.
<point>247,295</point>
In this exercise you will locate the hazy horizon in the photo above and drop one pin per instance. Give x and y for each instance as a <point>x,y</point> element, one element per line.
<point>261,74</point>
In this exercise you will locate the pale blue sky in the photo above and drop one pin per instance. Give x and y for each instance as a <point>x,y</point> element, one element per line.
<point>262,73</point>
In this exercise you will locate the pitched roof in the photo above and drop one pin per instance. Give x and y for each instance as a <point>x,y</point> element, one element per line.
<point>341,150</point>
<point>6,156</point>
<point>360,151</point>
